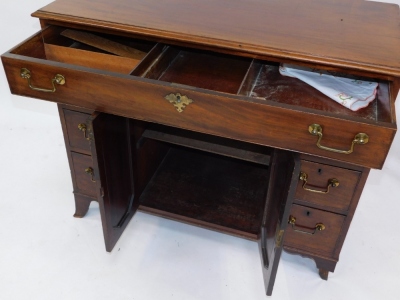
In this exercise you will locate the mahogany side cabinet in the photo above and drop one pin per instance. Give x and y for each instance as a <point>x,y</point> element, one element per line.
<point>178,109</point>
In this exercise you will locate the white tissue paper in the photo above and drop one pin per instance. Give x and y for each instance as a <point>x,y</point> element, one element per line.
<point>351,93</point>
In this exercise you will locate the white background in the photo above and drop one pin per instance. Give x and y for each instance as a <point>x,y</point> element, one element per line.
<point>45,253</point>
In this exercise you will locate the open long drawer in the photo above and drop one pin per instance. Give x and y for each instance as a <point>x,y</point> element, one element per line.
<point>213,93</point>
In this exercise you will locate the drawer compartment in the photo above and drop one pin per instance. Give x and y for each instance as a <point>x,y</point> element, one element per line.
<point>217,94</point>
<point>217,72</point>
<point>326,186</point>
<point>77,130</point>
<point>94,50</point>
<point>305,235</point>
<point>83,174</point>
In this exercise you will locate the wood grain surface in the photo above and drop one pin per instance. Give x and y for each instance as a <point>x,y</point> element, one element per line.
<point>77,138</point>
<point>90,59</point>
<point>103,44</point>
<point>356,34</point>
<point>210,188</point>
<point>338,198</point>
<point>322,242</point>
<point>252,120</point>
<point>83,180</point>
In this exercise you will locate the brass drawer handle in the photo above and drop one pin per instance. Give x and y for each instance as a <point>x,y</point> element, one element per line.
<point>83,127</point>
<point>359,139</point>
<point>59,79</point>
<point>333,182</point>
<point>318,226</point>
<point>90,171</point>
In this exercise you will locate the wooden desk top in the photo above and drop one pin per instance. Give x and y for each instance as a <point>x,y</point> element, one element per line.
<point>355,34</point>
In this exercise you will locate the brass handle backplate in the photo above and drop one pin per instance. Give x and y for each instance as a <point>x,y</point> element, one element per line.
<point>359,139</point>
<point>90,171</point>
<point>82,127</point>
<point>179,101</point>
<point>318,227</point>
<point>333,182</point>
<point>58,79</point>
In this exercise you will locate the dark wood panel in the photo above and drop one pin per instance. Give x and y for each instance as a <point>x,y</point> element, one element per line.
<point>337,198</point>
<point>322,242</point>
<point>284,169</point>
<point>198,223</point>
<point>209,188</point>
<point>212,71</point>
<point>111,147</point>
<point>283,28</point>
<point>208,143</point>
<point>147,155</point>
<point>83,180</point>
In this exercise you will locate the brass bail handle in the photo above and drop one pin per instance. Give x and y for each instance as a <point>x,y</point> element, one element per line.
<point>359,139</point>
<point>318,227</point>
<point>90,171</point>
<point>333,182</point>
<point>58,79</point>
<point>82,127</point>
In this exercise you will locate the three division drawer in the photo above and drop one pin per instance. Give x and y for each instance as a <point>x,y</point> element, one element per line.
<point>213,93</point>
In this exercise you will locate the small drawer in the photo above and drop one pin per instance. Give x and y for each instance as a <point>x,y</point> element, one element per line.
<point>76,124</point>
<point>83,174</point>
<point>326,186</point>
<point>305,233</point>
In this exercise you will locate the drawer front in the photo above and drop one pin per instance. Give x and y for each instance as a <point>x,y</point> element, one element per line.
<point>83,174</point>
<point>76,124</point>
<point>326,186</point>
<point>237,117</point>
<point>303,235</point>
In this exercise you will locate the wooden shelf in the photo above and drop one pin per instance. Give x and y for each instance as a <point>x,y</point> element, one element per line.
<point>227,147</point>
<point>208,190</point>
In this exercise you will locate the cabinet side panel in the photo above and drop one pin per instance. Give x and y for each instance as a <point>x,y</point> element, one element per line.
<point>112,164</point>
<point>284,171</point>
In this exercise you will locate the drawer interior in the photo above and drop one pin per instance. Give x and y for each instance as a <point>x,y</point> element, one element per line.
<point>203,69</point>
<point>254,79</point>
<point>89,49</point>
<point>249,79</point>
